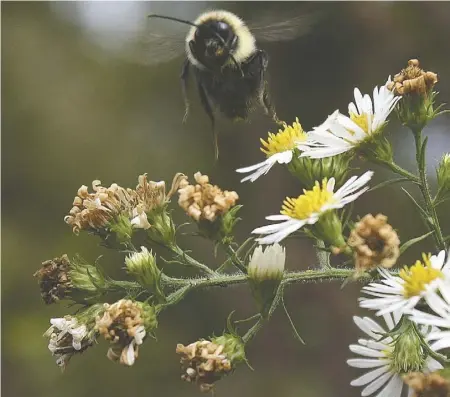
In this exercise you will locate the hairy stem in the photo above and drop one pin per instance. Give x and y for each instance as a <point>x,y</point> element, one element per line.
<point>425,190</point>
<point>189,261</point>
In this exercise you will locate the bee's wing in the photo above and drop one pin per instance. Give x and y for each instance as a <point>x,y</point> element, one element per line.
<point>282,25</point>
<point>152,48</point>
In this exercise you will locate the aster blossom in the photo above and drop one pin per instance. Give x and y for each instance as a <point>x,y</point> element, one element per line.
<point>386,356</point>
<point>279,148</point>
<point>310,206</point>
<point>340,133</point>
<point>423,280</point>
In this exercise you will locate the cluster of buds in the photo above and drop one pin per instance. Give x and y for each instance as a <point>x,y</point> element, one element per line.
<point>54,279</point>
<point>204,362</point>
<point>413,80</point>
<point>374,243</point>
<point>124,324</point>
<point>204,201</point>
<point>71,335</point>
<point>427,385</point>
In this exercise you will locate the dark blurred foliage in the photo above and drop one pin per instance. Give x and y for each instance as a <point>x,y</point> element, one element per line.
<point>74,111</point>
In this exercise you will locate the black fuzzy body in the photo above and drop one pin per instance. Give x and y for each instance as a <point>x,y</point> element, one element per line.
<point>235,92</point>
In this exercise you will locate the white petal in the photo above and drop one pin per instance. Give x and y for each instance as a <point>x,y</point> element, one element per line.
<point>370,376</point>
<point>367,362</point>
<point>375,385</point>
<point>393,388</point>
<point>365,351</point>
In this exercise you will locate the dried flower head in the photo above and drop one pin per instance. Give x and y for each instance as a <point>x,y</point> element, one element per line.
<point>54,279</point>
<point>374,242</point>
<point>204,201</point>
<point>94,211</point>
<point>427,385</point>
<point>203,362</point>
<point>124,325</point>
<point>413,80</point>
<point>152,194</point>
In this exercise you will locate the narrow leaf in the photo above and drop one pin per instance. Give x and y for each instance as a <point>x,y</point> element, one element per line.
<point>387,183</point>
<point>413,241</point>
<point>422,211</point>
<point>296,334</point>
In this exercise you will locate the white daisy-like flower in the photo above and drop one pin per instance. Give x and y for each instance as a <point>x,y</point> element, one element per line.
<point>279,148</point>
<point>403,292</point>
<point>441,319</point>
<point>307,208</point>
<point>340,133</point>
<point>379,356</point>
<point>267,264</point>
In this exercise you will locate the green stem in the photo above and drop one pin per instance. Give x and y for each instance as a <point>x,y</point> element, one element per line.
<point>398,170</point>
<point>253,330</point>
<point>189,261</point>
<point>234,258</point>
<point>425,190</point>
<point>322,256</point>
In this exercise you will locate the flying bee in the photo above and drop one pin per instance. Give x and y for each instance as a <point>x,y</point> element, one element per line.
<point>228,67</point>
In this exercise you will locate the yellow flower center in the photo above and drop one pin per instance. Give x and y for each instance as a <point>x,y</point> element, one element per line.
<point>284,140</point>
<point>360,121</point>
<point>418,276</point>
<point>311,201</point>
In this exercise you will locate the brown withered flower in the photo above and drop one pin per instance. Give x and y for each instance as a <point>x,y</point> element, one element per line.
<point>204,201</point>
<point>152,194</point>
<point>124,324</point>
<point>413,80</point>
<point>374,243</point>
<point>96,210</point>
<point>54,279</point>
<point>427,385</point>
<point>203,362</point>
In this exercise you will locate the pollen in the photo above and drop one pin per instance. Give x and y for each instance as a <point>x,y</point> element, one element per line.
<point>418,276</point>
<point>360,121</point>
<point>311,201</point>
<point>284,140</point>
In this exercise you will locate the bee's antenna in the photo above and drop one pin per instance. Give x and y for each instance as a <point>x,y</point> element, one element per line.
<point>172,19</point>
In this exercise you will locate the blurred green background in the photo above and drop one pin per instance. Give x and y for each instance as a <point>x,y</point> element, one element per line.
<point>78,105</point>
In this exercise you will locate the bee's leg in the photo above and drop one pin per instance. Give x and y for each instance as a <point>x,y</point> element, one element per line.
<point>184,80</point>
<point>262,60</point>
<point>206,104</point>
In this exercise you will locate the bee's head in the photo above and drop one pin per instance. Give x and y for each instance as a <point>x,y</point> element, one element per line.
<point>214,42</point>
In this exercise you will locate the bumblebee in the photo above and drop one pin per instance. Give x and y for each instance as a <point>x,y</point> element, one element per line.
<point>228,67</point>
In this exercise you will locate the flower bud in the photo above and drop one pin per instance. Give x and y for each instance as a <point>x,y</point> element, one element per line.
<point>408,354</point>
<point>309,170</point>
<point>443,176</point>
<point>329,229</point>
<point>265,272</point>
<point>142,265</point>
